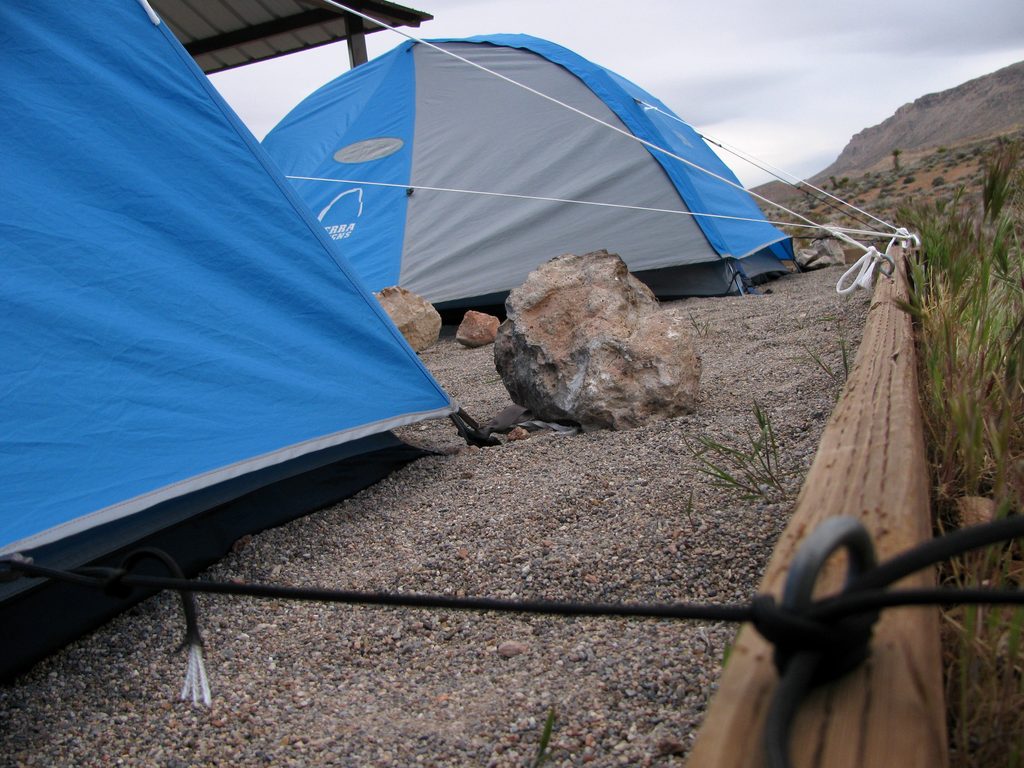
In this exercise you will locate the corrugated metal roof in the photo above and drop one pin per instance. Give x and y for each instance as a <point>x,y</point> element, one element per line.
<point>221,34</point>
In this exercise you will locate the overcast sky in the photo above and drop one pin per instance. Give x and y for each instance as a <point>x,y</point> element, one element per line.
<point>789,81</point>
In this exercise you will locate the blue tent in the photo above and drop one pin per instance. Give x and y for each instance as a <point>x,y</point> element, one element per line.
<point>185,355</point>
<point>430,174</point>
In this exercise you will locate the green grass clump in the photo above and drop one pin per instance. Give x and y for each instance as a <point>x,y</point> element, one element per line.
<point>837,376</point>
<point>751,471</point>
<point>967,302</point>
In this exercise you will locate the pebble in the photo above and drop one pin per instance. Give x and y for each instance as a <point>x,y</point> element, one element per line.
<point>603,516</point>
<point>511,648</point>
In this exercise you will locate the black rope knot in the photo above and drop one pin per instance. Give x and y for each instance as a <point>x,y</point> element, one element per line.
<point>809,649</point>
<point>837,646</point>
<point>113,583</point>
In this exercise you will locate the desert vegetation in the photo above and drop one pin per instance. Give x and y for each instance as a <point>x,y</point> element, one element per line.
<point>935,176</point>
<point>968,307</point>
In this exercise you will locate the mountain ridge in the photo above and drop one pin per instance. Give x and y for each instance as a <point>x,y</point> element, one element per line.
<point>984,107</point>
<point>975,112</point>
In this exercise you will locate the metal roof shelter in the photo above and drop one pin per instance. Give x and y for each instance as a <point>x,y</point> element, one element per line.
<point>222,34</point>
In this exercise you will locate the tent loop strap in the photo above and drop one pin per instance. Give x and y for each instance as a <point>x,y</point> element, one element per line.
<point>113,582</point>
<point>864,268</point>
<point>8,566</point>
<point>470,431</point>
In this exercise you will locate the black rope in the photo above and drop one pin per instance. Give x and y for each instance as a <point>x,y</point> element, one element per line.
<point>815,640</point>
<point>761,611</point>
<point>101,577</point>
<point>116,582</point>
<point>941,549</point>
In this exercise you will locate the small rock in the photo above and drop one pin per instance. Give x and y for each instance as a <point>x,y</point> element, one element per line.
<point>477,329</point>
<point>511,648</point>
<point>823,252</point>
<point>578,654</point>
<point>669,745</point>
<point>518,433</point>
<point>414,316</point>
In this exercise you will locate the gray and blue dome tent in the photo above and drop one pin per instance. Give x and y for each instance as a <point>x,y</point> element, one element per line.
<point>171,372</point>
<point>435,175</point>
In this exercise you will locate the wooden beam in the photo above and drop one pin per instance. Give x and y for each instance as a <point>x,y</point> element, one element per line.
<point>356,32</point>
<point>870,465</point>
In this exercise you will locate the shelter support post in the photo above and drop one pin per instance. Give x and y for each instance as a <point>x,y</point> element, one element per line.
<point>356,40</point>
<point>870,465</point>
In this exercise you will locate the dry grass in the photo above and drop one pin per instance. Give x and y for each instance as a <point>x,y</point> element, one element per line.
<point>968,305</point>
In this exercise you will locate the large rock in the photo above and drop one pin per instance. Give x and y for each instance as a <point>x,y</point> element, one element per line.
<point>587,342</point>
<point>477,329</point>
<point>415,317</point>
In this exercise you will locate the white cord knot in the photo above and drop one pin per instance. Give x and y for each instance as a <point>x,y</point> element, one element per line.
<point>906,237</point>
<point>865,269</point>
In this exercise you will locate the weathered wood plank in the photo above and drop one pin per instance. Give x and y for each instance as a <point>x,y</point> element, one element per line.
<point>871,465</point>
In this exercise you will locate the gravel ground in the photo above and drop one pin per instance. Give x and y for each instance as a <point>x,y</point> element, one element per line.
<point>609,516</point>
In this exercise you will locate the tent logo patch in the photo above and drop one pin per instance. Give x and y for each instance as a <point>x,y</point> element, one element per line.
<point>368,149</point>
<point>339,215</point>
